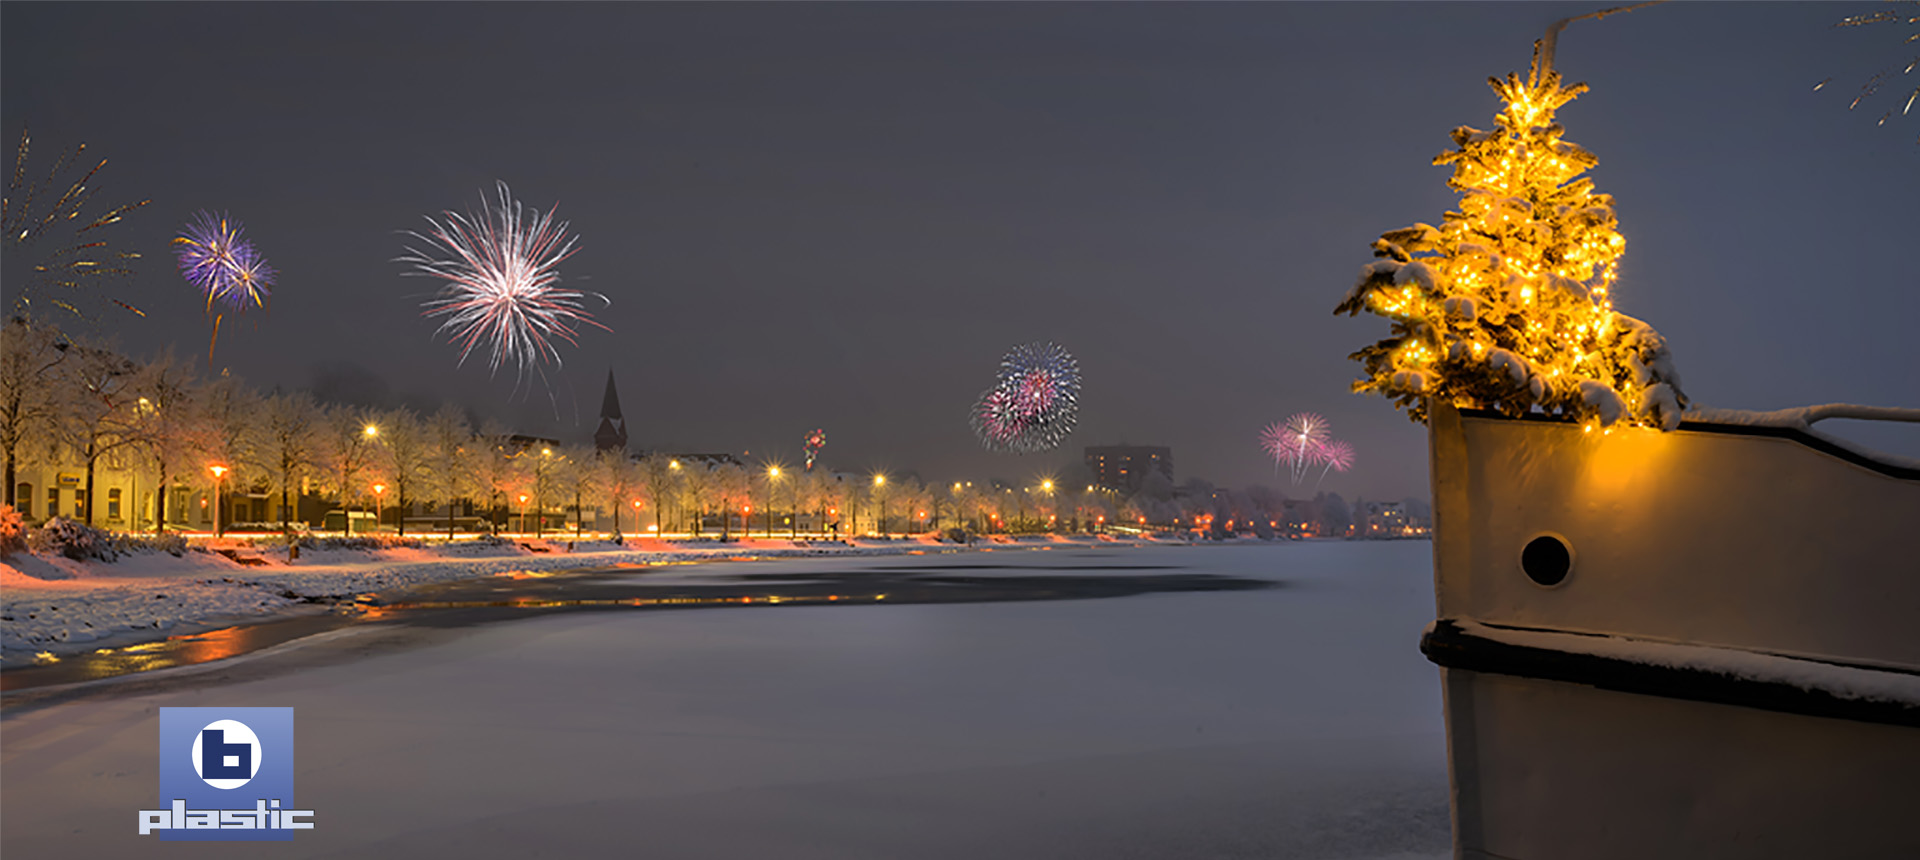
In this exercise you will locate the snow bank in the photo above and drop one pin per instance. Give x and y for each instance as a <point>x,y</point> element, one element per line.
<point>52,606</point>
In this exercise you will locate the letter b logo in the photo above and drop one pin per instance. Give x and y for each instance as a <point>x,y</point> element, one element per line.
<point>226,754</point>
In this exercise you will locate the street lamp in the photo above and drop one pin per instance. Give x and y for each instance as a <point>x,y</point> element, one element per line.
<point>773,477</point>
<point>673,466</point>
<point>523,513</point>
<point>379,503</point>
<point>219,475</point>
<point>878,482</point>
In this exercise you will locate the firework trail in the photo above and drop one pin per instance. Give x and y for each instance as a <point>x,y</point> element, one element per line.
<point>38,210</point>
<point>814,442</point>
<point>1035,402</point>
<point>1910,17</point>
<point>1337,455</point>
<point>501,268</point>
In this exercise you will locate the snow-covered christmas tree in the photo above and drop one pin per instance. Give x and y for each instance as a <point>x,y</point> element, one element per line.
<point>1508,304</point>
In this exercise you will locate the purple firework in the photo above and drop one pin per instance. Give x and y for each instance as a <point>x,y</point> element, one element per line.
<point>1035,402</point>
<point>502,271</point>
<point>216,258</point>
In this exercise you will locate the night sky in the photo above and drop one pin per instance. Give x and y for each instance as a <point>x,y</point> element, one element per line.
<point>841,215</point>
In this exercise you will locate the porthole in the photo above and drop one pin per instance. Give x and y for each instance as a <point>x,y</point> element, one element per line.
<point>1547,560</point>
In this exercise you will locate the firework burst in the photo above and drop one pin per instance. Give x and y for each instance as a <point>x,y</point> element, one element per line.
<point>1034,404</point>
<point>216,258</point>
<point>1338,457</point>
<point>502,272</point>
<point>40,212</point>
<point>1299,442</point>
<point>814,442</point>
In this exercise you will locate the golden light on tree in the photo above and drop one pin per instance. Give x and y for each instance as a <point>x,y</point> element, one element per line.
<point>1508,305</point>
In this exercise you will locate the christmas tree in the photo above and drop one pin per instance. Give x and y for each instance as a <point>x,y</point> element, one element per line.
<point>1508,304</point>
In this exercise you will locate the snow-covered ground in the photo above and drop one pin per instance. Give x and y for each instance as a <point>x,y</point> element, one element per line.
<point>54,606</point>
<point>1294,722</point>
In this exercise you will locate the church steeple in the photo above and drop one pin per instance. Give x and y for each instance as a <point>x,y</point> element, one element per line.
<point>612,434</point>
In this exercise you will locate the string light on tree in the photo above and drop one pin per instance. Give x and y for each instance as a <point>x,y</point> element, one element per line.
<point>1509,305</point>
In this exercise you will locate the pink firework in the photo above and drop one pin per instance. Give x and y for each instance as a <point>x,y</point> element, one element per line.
<point>1298,442</point>
<point>502,274</point>
<point>1337,455</point>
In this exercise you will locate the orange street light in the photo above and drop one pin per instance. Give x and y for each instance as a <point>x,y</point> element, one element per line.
<point>379,491</point>
<point>219,476</point>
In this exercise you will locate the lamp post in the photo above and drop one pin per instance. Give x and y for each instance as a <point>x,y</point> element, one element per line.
<point>1046,486</point>
<point>878,482</point>
<point>379,503</point>
<point>219,475</point>
<point>523,513</point>
<point>672,466</point>
<point>773,477</point>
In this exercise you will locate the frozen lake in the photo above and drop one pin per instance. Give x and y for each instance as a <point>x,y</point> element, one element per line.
<point>1292,721</point>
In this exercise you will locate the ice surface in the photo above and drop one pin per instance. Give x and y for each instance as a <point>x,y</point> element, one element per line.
<point>1294,722</point>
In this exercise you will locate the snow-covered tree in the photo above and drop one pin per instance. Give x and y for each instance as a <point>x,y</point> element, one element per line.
<point>1508,305</point>
<point>447,439</point>
<point>100,416</point>
<point>284,442</point>
<point>401,457</point>
<point>348,439</point>
<point>488,469</point>
<point>32,358</point>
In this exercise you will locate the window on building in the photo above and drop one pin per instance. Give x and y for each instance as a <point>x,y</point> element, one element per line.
<point>113,503</point>
<point>53,502</point>
<point>79,504</point>
<point>23,493</point>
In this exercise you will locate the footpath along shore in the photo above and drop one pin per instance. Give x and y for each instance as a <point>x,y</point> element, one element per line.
<point>51,607</point>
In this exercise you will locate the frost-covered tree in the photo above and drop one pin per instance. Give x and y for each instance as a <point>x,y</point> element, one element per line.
<point>617,478</point>
<point>401,458</point>
<point>576,476</point>
<point>218,435</point>
<point>285,444</point>
<point>1508,305</point>
<point>448,437</point>
<point>659,474</point>
<point>488,468</point>
<point>349,438</point>
<point>167,410</point>
<point>32,358</point>
<point>100,416</point>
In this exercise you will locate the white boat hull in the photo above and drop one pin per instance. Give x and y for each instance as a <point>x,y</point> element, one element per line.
<point>1726,665</point>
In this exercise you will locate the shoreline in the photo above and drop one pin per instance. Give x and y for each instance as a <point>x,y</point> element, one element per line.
<point>152,597</point>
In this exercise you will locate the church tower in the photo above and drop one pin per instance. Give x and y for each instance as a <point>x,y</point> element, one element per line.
<point>612,435</point>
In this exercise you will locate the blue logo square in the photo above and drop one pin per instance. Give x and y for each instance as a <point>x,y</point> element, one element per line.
<point>226,773</point>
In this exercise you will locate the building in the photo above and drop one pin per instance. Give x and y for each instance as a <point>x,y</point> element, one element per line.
<point>1122,468</point>
<point>612,434</point>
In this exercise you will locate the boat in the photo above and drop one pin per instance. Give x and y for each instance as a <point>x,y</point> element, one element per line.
<point>1696,643</point>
